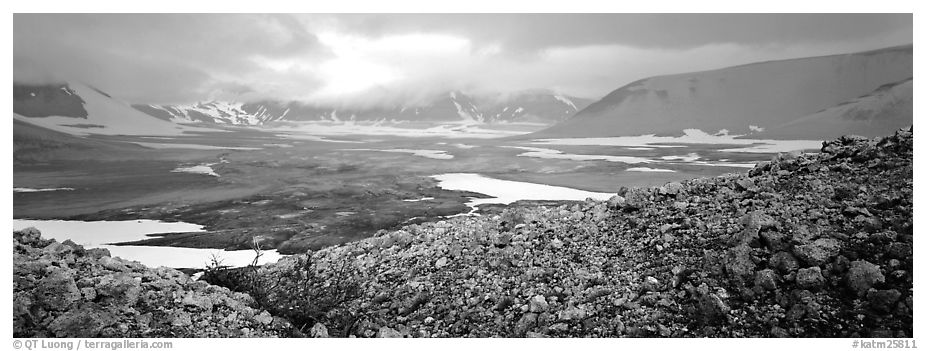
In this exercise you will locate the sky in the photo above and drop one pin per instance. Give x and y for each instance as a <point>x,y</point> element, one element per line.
<point>371,60</point>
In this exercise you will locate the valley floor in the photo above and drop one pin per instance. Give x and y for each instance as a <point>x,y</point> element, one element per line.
<point>302,192</point>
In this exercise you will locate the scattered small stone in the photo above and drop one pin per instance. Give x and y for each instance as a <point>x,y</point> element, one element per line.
<point>767,279</point>
<point>671,188</point>
<point>616,201</point>
<point>263,318</point>
<point>818,252</point>
<point>538,304</point>
<point>883,301</point>
<point>651,284</point>
<point>784,262</point>
<point>318,331</point>
<point>386,332</point>
<point>441,263</point>
<point>809,278</point>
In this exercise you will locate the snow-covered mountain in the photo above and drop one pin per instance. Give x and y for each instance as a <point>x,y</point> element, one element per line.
<point>743,99</point>
<point>219,112</point>
<point>536,106</point>
<point>79,109</point>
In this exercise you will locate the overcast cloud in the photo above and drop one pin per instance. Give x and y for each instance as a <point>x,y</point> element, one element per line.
<point>399,59</point>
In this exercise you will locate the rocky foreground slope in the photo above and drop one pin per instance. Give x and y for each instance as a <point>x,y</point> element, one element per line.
<point>64,290</point>
<point>806,245</point>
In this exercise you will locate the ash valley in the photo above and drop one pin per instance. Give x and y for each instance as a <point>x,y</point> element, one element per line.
<point>331,189</point>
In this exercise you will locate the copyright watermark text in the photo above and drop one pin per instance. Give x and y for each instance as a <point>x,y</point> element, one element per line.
<point>95,344</point>
<point>884,344</point>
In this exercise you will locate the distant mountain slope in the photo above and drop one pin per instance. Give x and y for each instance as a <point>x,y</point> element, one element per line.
<point>219,112</point>
<point>539,107</point>
<point>875,114</point>
<point>456,107</point>
<point>47,100</point>
<point>79,109</point>
<point>32,143</point>
<point>765,95</point>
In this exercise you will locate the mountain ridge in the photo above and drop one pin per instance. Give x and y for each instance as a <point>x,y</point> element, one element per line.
<point>763,94</point>
<point>538,105</point>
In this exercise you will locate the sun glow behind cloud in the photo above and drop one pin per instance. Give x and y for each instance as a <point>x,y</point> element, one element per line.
<point>360,64</point>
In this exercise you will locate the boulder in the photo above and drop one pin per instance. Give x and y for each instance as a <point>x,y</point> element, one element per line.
<point>538,304</point>
<point>57,290</point>
<point>712,307</point>
<point>818,252</point>
<point>28,236</point>
<point>572,313</point>
<point>616,201</point>
<point>651,284</point>
<point>263,318</point>
<point>784,262</point>
<point>759,220</point>
<point>318,331</point>
<point>775,241</point>
<point>767,279</point>
<point>862,276</point>
<point>386,332</point>
<point>525,324</point>
<point>738,263</point>
<point>120,288</point>
<point>179,318</point>
<point>98,252</point>
<point>671,188</point>
<point>113,264</point>
<point>199,301</point>
<point>56,248</point>
<point>883,301</point>
<point>809,278</point>
<point>746,184</point>
<point>85,321</point>
<point>635,199</point>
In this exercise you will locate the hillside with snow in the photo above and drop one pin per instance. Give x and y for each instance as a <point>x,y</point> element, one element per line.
<point>753,97</point>
<point>79,109</point>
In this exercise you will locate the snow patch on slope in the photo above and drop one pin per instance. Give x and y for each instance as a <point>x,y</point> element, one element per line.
<point>435,154</point>
<point>691,136</point>
<point>34,190</point>
<point>507,191</point>
<point>647,169</point>
<point>114,117</point>
<point>565,100</point>
<point>205,168</point>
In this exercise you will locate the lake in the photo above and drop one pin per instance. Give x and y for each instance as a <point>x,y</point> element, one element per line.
<point>507,191</point>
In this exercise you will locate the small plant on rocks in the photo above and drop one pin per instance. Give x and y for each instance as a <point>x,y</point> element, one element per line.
<point>296,293</point>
